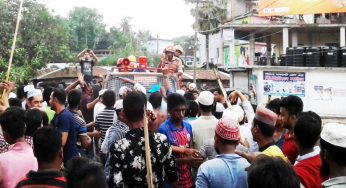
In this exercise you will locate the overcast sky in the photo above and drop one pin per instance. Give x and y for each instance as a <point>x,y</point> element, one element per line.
<point>166,18</point>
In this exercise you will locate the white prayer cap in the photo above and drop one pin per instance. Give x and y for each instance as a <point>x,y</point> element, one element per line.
<point>219,107</point>
<point>123,90</point>
<point>12,95</point>
<point>192,86</point>
<point>180,91</point>
<point>34,93</point>
<point>235,113</point>
<point>119,104</point>
<point>205,98</point>
<point>149,106</point>
<point>28,88</point>
<point>139,87</point>
<point>335,134</point>
<point>102,91</point>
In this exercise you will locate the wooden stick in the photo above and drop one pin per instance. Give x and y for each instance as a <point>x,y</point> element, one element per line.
<point>13,45</point>
<point>228,102</point>
<point>147,152</point>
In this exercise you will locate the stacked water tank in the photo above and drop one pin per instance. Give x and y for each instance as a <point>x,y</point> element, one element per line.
<point>299,56</point>
<point>313,57</point>
<point>289,56</point>
<point>330,56</point>
<point>325,56</point>
<point>343,56</point>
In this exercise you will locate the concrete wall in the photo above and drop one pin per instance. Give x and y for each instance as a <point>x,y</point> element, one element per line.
<point>325,89</point>
<point>215,51</point>
<point>240,80</point>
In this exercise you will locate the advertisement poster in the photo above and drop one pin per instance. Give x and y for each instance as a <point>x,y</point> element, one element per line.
<point>284,83</point>
<point>294,7</point>
<point>329,95</point>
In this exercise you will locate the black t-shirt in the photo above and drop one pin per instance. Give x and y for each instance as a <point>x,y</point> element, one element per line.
<point>87,70</point>
<point>43,179</point>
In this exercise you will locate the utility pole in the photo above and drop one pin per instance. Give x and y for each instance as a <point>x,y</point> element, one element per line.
<point>157,44</point>
<point>195,58</point>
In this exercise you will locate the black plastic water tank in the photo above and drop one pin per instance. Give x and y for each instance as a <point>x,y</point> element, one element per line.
<point>343,56</point>
<point>282,60</point>
<point>313,57</point>
<point>289,56</point>
<point>330,56</point>
<point>299,56</point>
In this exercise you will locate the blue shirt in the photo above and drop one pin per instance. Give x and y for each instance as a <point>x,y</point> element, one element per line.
<point>174,135</point>
<point>65,123</point>
<point>226,170</point>
<point>181,138</point>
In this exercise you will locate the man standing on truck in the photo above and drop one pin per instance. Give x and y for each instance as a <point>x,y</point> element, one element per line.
<point>173,64</point>
<point>87,63</point>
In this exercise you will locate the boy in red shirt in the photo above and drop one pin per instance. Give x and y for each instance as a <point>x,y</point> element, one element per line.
<point>290,107</point>
<point>308,164</point>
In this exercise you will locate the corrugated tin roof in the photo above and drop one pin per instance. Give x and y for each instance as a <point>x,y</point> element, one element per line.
<point>71,72</point>
<point>204,75</point>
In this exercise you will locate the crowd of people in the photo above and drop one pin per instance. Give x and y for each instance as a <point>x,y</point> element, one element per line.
<point>82,136</point>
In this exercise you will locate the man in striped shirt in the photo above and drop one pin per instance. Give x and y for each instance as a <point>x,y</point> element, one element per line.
<point>116,132</point>
<point>107,117</point>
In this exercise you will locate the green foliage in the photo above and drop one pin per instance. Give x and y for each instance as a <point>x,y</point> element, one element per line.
<point>45,38</point>
<point>86,28</point>
<point>209,15</point>
<point>42,38</point>
<point>188,43</point>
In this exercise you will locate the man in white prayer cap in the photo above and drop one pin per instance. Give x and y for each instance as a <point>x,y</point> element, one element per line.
<point>34,99</point>
<point>333,152</point>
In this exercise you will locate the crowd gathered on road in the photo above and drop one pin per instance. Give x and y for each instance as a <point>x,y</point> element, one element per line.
<point>86,136</point>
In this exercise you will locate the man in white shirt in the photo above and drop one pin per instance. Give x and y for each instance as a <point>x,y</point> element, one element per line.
<point>99,106</point>
<point>238,112</point>
<point>203,128</point>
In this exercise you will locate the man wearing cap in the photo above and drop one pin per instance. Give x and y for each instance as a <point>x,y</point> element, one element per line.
<point>308,164</point>
<point>34,99</point>
<point>228,168</point>
<point>27,88</point>
<point>173,64</point>
<point>333,152</point>
<point>123,91</point>
<point>290,108</point>
<point>136,86</point>
<point>204,127</point>
<point>192,87</point>
<point>262,131</point>
<point>246,115</point>
<point>99,106</point>
<point>178,52</point>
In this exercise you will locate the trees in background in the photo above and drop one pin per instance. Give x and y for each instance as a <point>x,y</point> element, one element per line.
<point>46,38</point>
<point>209,15</point>
<point>42,38</point>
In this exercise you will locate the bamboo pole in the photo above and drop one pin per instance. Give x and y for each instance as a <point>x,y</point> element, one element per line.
<point>228,102</point>
<point>147,152</point>
<point>13,46</point>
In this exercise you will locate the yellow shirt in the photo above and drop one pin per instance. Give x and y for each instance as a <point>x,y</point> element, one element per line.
<point>274,151</point>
